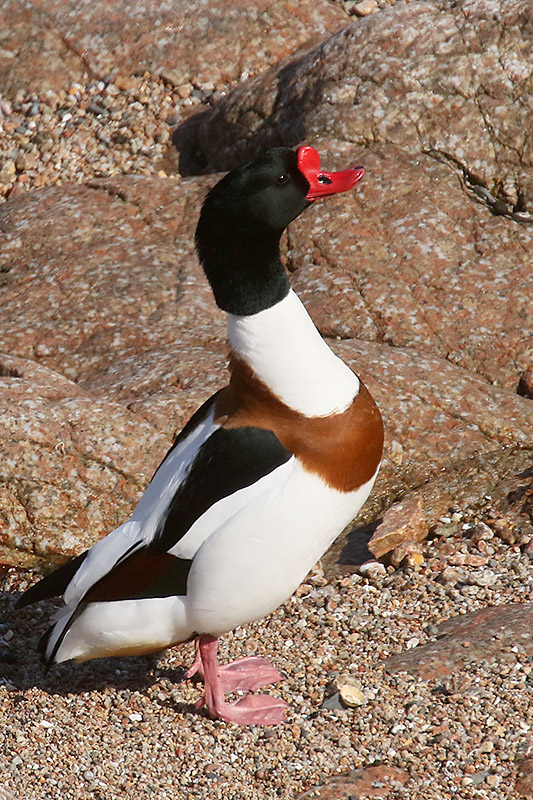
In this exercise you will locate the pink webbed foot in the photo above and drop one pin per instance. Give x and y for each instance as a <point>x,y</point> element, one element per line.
<point>245,674</point>
<point>253,709</point>
<point>248,674</point>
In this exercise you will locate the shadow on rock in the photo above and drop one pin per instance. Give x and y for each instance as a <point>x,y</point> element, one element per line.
<point>290,103</point>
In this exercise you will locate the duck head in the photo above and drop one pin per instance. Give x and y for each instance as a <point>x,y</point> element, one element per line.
<point>244,215</point>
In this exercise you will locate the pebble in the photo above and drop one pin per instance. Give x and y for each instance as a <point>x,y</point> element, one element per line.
<point>482,577</point>
<point>452,576</point>
<point>373,570</point>
<point>352,696</point>
<point>363,8</point>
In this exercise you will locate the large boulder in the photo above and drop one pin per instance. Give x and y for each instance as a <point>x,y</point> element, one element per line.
<point>51,43</point>
<point>73,465</point>
<point>450,78</point>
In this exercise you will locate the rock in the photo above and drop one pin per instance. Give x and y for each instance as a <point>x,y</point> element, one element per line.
<point>452,576</point>
<point>115,271</point>
<point>371,782</point>
<point>383,272</point>
<point>374,570</point>
<point>42,46</point>
<point>481,577</point>
<point>7,172</point>
<point>376,81</point>
<point>332,703</point>
<point>488,634</point>
<point>404,521</point>
<point>524,782</point>
<point>407,554</point>
<point>73,466</point>
<point>364,8</point>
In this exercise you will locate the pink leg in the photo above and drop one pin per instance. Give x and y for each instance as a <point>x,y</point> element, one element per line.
<point>244,674</point>
<point>249,710</point>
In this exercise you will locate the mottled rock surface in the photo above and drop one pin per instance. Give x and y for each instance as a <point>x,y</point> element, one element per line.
<point>445,77</point>
<point>72,464</point>
<point>56,41</point>
<point>499,632</point>
<point>376,782</point>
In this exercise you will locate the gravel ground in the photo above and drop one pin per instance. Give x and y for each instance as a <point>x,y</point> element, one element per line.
<point>126,728</point>
<point>94,130</point>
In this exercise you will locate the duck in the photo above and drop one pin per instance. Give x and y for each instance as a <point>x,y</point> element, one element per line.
<point>256,486</point>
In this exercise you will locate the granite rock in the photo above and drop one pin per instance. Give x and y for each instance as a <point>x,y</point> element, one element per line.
<point>380,781</point>
<point>426,77</point>
<point>403,522</point>
<point>493,633</point>
<point>51,43</point>
<point>72,465</point>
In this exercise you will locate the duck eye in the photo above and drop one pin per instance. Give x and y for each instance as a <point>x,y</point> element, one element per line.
<point>283,179</point>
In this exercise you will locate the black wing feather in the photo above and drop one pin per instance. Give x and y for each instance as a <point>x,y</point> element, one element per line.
<point>231,459</point>
<point>53,585</point>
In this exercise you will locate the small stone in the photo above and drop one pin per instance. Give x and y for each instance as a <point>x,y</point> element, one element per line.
<point>481,532</point>
<point>486,747</point>
<point>7,172</point>
<point>373,570</point>
<point>332,703</point>
<point>407,554</point>
<point>452,576</point>
<point>135,717</point>
<point>173,119</point>
<point>364,8</point>
<point>352,696</point>
<point>482,577</point>
<point>185,90</point>
<point>175,77</point>
<point>403,521</point>
<point>125,82</point>
<point>96,109</point>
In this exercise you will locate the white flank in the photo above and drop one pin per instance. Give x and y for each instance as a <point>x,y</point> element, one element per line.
<point>124,626</point>
<point>253,562</point>
<point>142,526</point>
<point>285,350</point>
<point>250,564</point>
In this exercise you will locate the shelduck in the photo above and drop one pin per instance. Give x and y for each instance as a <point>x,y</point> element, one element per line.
<point>260,481</point>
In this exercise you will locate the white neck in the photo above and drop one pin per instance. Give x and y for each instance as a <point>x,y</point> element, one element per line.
<point>285,350</point>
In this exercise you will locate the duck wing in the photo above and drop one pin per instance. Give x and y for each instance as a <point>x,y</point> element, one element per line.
<point>207,476</point>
